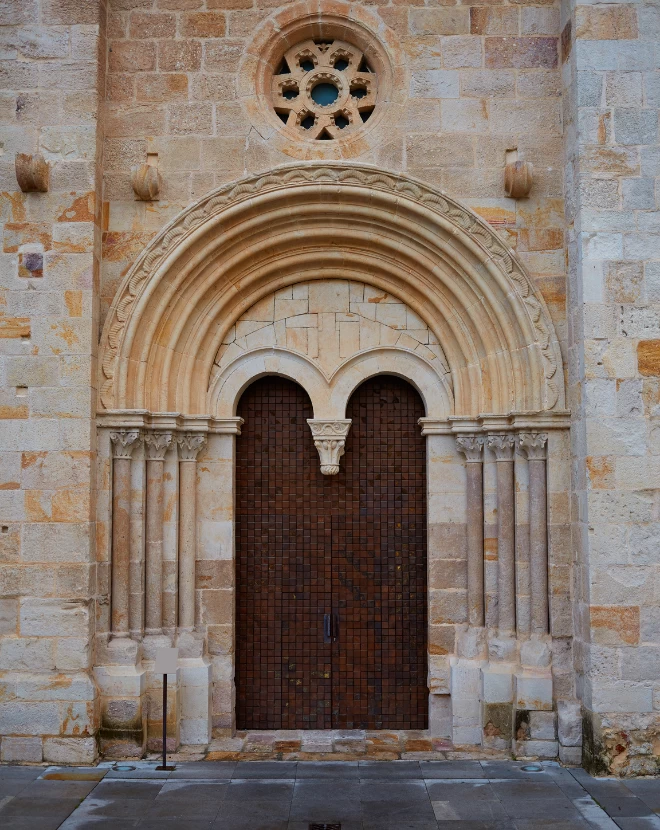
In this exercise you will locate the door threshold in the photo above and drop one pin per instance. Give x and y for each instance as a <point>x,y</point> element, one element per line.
<point>329,745</point>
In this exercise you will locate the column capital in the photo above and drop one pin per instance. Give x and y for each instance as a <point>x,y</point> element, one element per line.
<point>533,445</point>
<point>330,440</point>
<point>190,445</point>
<point>157,444</point>
<point>503,445</point>
<point>124,441</point>
<point>471,446</point>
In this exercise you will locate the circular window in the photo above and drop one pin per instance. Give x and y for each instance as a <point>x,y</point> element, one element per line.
<point>324,89</point>
<point>323,81</point>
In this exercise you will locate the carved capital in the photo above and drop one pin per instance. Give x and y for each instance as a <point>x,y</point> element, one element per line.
<point>533,445</point>
<point>329,440</point>
<point>502,445</point>
<point>190,445</point>
<point>471,446</point>
<point>157,444</point>
<point>124,441</point>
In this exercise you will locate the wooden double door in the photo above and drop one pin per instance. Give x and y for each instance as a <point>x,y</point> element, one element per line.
<point>331,600</point>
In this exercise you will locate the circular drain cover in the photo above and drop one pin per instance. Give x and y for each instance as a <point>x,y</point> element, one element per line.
<point>123,767</point>
<point>532,768</point>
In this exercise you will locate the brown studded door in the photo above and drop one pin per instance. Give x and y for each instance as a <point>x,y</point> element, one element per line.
<point>347,549</point>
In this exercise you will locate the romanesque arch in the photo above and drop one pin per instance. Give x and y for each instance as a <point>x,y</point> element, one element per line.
<point>328,275</point>
<point>302,222</point>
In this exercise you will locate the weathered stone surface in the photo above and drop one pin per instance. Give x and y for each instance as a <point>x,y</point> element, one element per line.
<point>70,750</point>
<point>21,749</point>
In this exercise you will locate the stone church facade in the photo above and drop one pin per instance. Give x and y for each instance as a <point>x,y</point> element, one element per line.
<point>330,355</point>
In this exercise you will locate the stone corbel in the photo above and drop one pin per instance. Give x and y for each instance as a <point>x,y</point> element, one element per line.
<point>329,440</point>
<point>32,172</point>
<point>146,181</point>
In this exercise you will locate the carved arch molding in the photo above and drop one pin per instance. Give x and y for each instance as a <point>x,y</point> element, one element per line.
<point>304,222</point>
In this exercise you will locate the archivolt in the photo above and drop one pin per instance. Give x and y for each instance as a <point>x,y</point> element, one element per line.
<point>310,221</point>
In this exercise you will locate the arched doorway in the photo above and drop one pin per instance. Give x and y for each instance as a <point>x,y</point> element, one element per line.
<point>331,608</point>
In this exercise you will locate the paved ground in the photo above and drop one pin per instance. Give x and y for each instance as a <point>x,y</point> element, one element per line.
<point>365,795</point>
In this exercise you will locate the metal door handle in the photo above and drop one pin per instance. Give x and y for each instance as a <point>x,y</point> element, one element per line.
<point>330,628</point>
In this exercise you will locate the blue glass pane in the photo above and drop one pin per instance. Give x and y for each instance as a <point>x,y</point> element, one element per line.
<point>324,94</point>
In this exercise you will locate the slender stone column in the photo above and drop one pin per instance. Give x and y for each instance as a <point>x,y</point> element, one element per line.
<point>503,446</point>
<point>472,448</point>
<point>190,445</point>
<point>123,443</point>
<point>156,445</point>
<point>533,445</point>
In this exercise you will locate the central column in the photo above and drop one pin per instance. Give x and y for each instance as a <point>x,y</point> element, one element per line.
<point>156,445</point>
<point>503,446</point>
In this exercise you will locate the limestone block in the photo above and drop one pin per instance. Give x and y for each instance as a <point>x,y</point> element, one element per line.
<point>439,675</point>
<point>571,756</point>
<point>195,731</point>
<point>543,726</point>
<point>466,735</point>
<point>440,716</point>
<point>26,653</point>
<point>77,687</point>
<point>536,749</point>
<point>8,616</point>
<point>70,750</point>
<point>533,691</point>
<point>120,681</point>
<point>569,723</point>
<point>29,718</point>
<point>535,653</point>
<point>497,684</point>
<point>21,749</point>
<point>54,618</point>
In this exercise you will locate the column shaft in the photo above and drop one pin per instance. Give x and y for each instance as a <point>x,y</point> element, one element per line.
<point>533,445</point>
<point>121,528</point>
<point>123,443</point>
<point>538,546</point>
<point>154,547</point>
<point>190,445</point>
<point>187,543</point>
<point>506,584</point>
<point>472,448</point>
<point>503,447</point>
<point>475,543</point>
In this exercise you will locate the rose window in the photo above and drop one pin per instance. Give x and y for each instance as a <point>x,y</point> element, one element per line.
<point>324,90</point>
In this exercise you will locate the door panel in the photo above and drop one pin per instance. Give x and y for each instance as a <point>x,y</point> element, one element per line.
<point>353,545</point>
<point>379,547</point>
<point>283,565</point>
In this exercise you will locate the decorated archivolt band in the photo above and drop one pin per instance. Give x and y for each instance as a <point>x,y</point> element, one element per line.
<point>512,296</point>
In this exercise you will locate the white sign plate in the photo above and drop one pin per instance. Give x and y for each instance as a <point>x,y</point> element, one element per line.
<point>166,660</point>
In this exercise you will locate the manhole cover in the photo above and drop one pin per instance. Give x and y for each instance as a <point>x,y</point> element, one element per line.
<point>532,768</point>
<point>123,767</point>
<point>325,827</point>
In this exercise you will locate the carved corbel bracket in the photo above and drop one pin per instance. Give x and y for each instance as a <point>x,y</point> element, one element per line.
<point>190,445</point>
<point>518,179</point>
<point>533,445</point>
<point>124,441</point>
<point>471,446</point>
<point>146,182</point>
<point>329,440</point>
<point>32,172</point>
<point>157,444</point>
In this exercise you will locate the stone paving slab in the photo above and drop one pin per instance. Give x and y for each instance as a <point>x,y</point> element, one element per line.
<point>362,795</point>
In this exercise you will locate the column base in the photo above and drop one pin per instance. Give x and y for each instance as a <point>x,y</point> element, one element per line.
<point>123,730</point>
<point>196,686</point>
